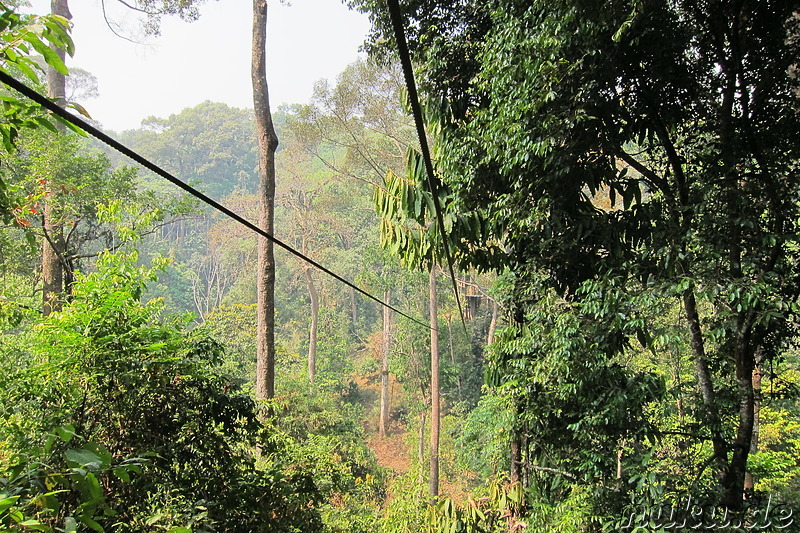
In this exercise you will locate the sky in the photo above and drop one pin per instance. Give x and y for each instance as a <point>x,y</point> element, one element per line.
<point>208,59</point>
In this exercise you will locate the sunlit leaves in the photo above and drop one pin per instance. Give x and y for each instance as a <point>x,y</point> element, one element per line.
<point>22,37</point>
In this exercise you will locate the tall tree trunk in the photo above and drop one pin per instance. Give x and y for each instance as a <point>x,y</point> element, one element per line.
<point>749,480</point>
<point>53,243</point>
<point>492,324</point>
<point>435,404</point>
<point>267,144</point>
<point>705,382</point>
<point>737,468</point>
<point>52,248</point>
<point>383,424</point>
<point>353,307</point>
<point>421,444</point>
<point>516,455</point>
<point>312,334</point>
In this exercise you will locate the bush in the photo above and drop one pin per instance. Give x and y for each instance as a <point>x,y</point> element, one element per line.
<point>138,383</point>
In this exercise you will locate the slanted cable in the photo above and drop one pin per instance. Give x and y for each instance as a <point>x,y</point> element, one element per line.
<point>99,135</point>
<point>416,110</point>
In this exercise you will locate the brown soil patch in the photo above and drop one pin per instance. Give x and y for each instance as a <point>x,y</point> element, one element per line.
<point>391,451</point>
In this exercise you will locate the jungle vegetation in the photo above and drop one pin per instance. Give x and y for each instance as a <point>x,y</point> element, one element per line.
<point>619,184</point>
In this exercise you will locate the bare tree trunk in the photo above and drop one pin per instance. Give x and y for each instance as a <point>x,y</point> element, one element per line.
<point>421,444</point>
<point>435,403</point>
<point>353,307</point>
<point>267,144</point>
<point>383,425</point>
<point>737,467</point>
<point>749,480</point>
<point>516,456</point>
<point>52,248</point>
<point>312,334</point>
<point>704,381</point>
<point>492,324</point>
<point>53,243</point>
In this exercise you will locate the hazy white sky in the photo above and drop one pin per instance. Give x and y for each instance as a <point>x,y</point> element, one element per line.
<point>208,59</point>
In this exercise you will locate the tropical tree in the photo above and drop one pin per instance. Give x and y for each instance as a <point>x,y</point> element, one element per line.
<point>267,145</point>
<point>211,145</point>
<point>680,112</point>
<point>407,215</point>
<point>357,127</point>
<point>53,243</point>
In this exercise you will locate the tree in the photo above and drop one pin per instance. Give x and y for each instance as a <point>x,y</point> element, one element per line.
<point>211,143</point>
<point>24,35</point>
<point>267,144</point>
<point>407,213</point>
<point>53,242</point>
<point>77,189</point>
<point>683,111</point>
<point>356,130</point>
<point>307,224</point>
<point>358,127</point>
<point>383,421</point>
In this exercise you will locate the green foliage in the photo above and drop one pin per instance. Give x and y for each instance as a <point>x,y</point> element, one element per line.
<point>90,206</point>
<point>211,145</point>
<point>322,436</point>
<point>405,512</point>
<point>406,209</point>
<point>775,466</point>
<point>575,402</point>
<point>138,384</point>
<point>356,128</point>
<point>61,483</point>
<point>625,155</point>
<point>483,439</point>
<point>23,36</point>
<point>234,326</point>
<point>491,512</point>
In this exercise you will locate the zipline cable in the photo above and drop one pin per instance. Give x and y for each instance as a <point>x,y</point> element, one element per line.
<point>99,135</point>
<point>416,110</point>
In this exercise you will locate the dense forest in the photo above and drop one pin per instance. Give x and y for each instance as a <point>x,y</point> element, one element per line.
<point>616,348</point>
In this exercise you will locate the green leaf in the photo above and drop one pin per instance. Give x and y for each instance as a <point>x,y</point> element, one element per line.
<point>122,474</point>
<point>7,502</point>
<point>16,515</point>
<point>70,525</point>
<point>78,457</point>
<point>27,71</point>
<point>80,109</point>
<point>89,522</point>
<point>66,432</point>
<point>34,524</point>
<point>93,487</point>
<point>50,56</point>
